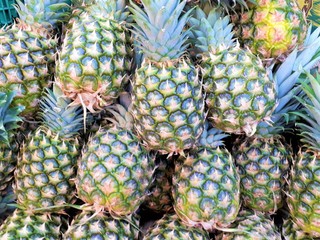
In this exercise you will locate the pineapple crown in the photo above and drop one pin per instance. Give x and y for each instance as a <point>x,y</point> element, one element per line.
<point>310,130</point>
<point>211,31</point>
<point>286,76</point>
<point>58,115</point>
<point>211,137</point>
<point>47,13</point>
<point>107,9</point>
<point>231,4</point>
<point>8,117</point>
<point>122,116</point>
<point>225,4</point>
<point>159,29</point>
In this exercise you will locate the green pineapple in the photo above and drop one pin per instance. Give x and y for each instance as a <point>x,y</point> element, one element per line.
<point>95,58</point>
<point>271,28</point>
<point>171,227</point>
<point>8,146</point>
<point>27,51</point>
<point>206,185</point>
<point>251,225</point>
<point>167,103</point>
<point>115,170</point>
<point>263,159</point>
<point>303,195</point>
<point>99,225</point>
<point>263,163</point>
<point>239,92</point>
<point>46,168</point>
<point>25,225</point>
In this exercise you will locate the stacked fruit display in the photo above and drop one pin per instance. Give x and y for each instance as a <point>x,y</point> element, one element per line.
<point>160,119</point>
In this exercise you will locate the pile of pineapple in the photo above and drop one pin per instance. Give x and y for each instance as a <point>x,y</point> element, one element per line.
<point>160,119</point>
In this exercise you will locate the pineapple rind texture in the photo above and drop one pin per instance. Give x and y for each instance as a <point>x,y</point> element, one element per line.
<point>303,193</point>
<point>303,196</point>
<point>206,188</point>
<point>263,165</point>
<point>95,59</point>
<point>252,225</point>
<point>45,171</point>
<point>114,172</point>
<point>239,92</point>
<point>290,231</point>
<point>98,225</point>
<point>23,225</point>
<point>171,227</point>
<point>272,28</point>
<point>168,106</point>
<point>26,66</point>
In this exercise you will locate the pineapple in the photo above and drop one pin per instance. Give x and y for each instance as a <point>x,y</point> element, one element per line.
<point>25,225</point>
<point>271,28</point>
<point>46,168</point>
<point>167,102</point>
<point>206,186</point>
<point>251,225</point>
<point>27,51</point>
<point>263,163</point>
<point>115,170</point>
<point>303,195</point>
<point>99,225</point>
<point>95,58</point>
<point>8,146</point>
<point>170,227</point>
<point>263,159</point>
<point>239,92</point>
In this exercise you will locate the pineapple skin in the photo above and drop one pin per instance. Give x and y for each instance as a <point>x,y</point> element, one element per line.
<point>115,171</point>
<point>290,231</point>
<point>95,59</point>
<point>263,165</point>
<point>168,105</point>
<point>303,195</point>
<point>45,171</point>
<point>99,225</point>
<point>27,60</point>
<point>252,225</point>
<point>271,28</point>
<point>239,92</point>
<point>206,188</point>
<point>171,227</point>
<point>23,225</point>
